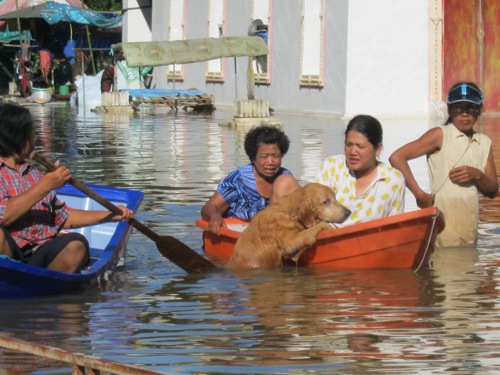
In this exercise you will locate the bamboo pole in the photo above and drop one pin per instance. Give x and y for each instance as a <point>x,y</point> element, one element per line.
<point>24,75</point>
<point>80,363</point>
<point>89,42</point>
<point>19,24</point>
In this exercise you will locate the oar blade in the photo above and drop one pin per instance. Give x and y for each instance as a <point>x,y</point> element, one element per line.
<point>183,256</point>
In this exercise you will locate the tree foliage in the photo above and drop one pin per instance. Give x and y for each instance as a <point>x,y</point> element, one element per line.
<point>104,5</point>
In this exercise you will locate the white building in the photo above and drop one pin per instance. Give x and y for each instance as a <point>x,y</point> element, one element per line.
<point>337,57</point>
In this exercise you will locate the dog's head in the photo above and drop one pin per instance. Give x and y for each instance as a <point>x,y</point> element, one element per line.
<point>317,203</point>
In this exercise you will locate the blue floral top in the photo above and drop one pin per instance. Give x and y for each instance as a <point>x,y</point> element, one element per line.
<point>239,190</point>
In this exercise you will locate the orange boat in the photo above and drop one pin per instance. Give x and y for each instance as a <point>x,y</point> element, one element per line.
<point>400,241</point>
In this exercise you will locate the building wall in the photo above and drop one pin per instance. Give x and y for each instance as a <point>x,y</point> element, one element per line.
<point>285,93</point>
<point>387,58</point>
<point>137,21</point>
<point>376,56</point>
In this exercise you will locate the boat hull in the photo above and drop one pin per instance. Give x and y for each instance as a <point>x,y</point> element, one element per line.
<point>108,242</point>
<point>400,241</point>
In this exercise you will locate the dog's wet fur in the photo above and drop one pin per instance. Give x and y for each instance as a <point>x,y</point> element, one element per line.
<point>285,229</point>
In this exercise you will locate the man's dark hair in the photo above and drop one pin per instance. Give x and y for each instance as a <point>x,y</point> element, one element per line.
<point>16,128</point>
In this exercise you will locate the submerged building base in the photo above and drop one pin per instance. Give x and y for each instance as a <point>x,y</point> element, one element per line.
<point>252,121</point>
<point>251,112</point>
<point>113,109</point>
<point>114,102</point>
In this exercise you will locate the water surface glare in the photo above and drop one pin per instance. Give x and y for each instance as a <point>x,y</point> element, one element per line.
<point>444,319</point>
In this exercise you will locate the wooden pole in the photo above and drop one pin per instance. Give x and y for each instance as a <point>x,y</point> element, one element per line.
<point>24,77</point>
<point>89,42</point>
<point>80,363</point>
<point>171,248</point>
<point>19,24</point>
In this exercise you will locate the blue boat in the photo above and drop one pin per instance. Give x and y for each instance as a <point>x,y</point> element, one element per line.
<point>108,242</point>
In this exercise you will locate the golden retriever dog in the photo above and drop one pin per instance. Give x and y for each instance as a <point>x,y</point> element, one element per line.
<point>286,228</point>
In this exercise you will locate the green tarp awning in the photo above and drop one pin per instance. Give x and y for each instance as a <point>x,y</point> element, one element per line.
<point>146,54</point>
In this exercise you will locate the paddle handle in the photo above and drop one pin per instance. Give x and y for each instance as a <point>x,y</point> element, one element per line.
<point>171,248</point>
<point>99,199</point>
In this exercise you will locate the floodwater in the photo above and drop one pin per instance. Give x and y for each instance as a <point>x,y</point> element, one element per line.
<point>150,313</point>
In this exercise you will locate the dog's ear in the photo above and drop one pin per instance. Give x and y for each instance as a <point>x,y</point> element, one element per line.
<point>305,213</point>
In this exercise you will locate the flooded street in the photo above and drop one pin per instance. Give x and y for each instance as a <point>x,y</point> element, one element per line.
<point>443,319</point>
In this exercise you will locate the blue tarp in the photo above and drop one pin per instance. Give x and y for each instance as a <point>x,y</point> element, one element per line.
<point>162,93</point>
<point>55,12</point>
<point>8,36</point>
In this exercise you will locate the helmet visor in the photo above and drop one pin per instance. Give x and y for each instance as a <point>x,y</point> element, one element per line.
<point>465,93</point>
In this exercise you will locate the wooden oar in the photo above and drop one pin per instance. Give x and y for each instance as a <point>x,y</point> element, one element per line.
<point>171,248</point>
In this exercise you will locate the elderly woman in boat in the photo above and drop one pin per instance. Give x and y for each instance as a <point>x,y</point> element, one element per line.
<point>252,187</point>
<point>31,216</point>
<point>369,188</point>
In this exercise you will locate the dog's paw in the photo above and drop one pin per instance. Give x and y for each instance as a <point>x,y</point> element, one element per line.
<point>325,226</point>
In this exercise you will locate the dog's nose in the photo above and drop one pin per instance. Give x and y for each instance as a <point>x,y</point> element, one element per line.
<point>347,212</point>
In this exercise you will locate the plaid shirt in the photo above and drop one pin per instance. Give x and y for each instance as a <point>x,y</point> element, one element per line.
<point>43,221</point>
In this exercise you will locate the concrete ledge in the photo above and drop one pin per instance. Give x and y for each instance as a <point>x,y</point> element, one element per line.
<point>252,121</point>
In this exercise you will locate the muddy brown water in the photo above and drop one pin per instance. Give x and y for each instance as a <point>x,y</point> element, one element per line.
<point>443,319</point>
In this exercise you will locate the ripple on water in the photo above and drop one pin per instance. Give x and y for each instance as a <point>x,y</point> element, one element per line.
<point>149,312</point>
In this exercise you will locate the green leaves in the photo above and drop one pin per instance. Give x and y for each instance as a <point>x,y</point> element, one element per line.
<point>104,5</point>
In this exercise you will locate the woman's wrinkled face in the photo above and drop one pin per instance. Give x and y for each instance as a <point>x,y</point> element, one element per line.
<point>268,160</point>
<point>360,154</point>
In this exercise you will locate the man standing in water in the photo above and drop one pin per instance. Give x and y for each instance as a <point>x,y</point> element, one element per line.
<point>460,162</point>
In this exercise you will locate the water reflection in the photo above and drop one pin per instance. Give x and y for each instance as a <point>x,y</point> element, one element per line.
<point>152,314</point>
<point>466,287</point>
<point>281,318</point>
